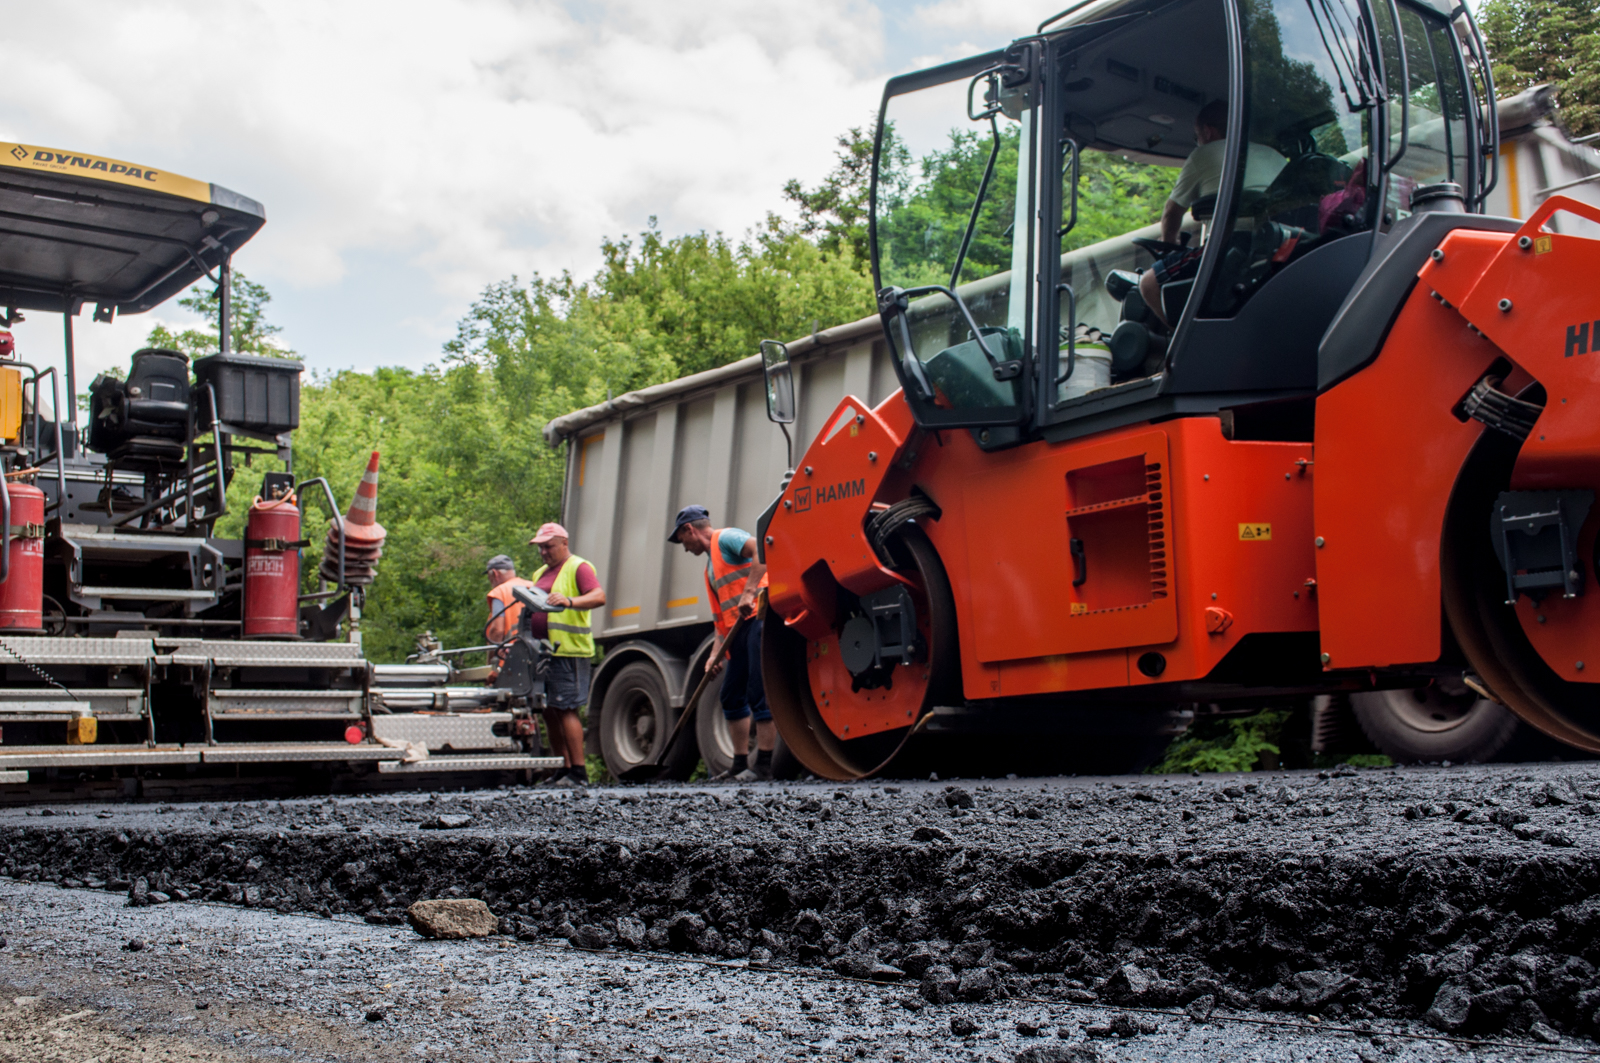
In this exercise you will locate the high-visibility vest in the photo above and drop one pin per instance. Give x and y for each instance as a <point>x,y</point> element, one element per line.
<point>724,584</point>
<point>504,610</point>
<point>569,629</point>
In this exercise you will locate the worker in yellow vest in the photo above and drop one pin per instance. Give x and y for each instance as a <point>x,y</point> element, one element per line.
<point>735,576</point>
<point>573,587</point>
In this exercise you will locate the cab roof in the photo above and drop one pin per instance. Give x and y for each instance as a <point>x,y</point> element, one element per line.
<point>78,228</point>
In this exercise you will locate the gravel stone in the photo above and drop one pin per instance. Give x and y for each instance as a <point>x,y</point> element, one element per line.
<point>1058,1053</point>
<point>453,918</point>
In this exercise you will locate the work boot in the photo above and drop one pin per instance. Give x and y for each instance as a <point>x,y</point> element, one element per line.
<point>740,763</point>
<point>760,771</point>
<point>572,777</point>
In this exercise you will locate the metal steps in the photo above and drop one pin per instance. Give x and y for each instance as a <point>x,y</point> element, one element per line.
<point>493,762</point>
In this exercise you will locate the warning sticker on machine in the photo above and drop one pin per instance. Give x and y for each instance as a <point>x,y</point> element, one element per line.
<point>265,566</point>
<point>1254,532</point>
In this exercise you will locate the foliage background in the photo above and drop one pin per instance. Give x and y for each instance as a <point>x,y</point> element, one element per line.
<point>1550,41</point>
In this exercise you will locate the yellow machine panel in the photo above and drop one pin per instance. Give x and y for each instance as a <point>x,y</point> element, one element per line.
<point>10,403</point>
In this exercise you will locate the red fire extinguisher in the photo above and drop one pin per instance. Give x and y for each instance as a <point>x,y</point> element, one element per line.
<point>22,571</point>
<point>272,569</point>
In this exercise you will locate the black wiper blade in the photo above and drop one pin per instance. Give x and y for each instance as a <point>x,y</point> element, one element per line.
<point>1361,92</point>
<point>977,204</point>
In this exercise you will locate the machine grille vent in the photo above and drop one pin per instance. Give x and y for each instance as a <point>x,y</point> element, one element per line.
<point>1157,517</point>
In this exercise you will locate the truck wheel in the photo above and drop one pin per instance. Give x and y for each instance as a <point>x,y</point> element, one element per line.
<point>711,731</point>
<point>637,715</point>
<point>1428,724</point>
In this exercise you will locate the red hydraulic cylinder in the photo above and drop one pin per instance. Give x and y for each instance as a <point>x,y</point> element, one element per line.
<point>272,570</point>
<point>22,593</point>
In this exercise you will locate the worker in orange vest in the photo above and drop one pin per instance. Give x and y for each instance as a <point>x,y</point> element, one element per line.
<point>735,577</point>
<point>504,610</point>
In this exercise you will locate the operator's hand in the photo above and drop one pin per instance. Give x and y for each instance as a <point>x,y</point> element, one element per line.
<point>747,603</point>
<point>714,664</point>
<point>560,600</point>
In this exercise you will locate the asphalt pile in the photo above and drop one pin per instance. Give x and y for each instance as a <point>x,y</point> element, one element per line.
<point>1463,897</point>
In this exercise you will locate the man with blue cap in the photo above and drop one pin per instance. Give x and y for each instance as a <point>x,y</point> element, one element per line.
<point>735,577</point>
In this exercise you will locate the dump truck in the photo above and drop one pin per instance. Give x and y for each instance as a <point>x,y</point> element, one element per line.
<point>632,460</point>
<point>136,641</point>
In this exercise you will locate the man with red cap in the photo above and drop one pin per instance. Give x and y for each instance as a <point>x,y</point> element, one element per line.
<point>574,589</point>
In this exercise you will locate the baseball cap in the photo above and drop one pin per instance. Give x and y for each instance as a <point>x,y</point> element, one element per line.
<point>687,515</point>
<point>500,561</point>
<point>549,530</point>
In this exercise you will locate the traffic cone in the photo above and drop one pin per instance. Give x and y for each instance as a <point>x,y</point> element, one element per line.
<point>363,535</point>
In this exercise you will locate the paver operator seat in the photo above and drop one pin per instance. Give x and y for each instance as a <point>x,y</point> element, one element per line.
<point>142,423</point>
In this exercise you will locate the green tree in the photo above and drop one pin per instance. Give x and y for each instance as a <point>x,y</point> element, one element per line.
<point>1548,41</point>
<point>248,327</point>
<point>702,300</point>
<point>836,212</point>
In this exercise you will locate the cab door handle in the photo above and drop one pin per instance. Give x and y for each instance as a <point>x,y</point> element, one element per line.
<point>1080,563</point>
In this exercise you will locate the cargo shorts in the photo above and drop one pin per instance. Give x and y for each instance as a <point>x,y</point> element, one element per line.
<point>566,684</point>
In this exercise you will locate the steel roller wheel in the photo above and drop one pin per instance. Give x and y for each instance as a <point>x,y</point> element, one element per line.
<point>1486,628</point>
<point>788,661</point>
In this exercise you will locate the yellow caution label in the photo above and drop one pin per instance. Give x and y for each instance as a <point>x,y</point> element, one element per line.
<point>83,731</point>
<point>1542,244</point>
<point>100,168</point>
<point>1079,608</point>
<point>1254,533</point>
<point>627,610</point>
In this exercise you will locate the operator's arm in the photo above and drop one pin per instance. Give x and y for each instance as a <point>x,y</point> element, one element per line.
<point>1171,222</point>
<point>752,581</point>
<point>592,598</point>
<point>497,629</point>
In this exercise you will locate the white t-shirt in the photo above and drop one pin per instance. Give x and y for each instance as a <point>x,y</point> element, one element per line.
<point>1202,171</point>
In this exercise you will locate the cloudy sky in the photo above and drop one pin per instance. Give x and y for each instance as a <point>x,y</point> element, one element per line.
<point>410,153</point>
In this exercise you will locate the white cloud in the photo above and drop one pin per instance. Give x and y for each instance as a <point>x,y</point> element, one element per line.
<point>409,153</point>
<point>997,21</point>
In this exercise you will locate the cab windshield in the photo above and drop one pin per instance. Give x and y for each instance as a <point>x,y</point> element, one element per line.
<point>951,210</point>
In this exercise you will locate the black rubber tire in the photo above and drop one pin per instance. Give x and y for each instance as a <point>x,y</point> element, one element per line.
<point>1427,725</point>
<point>785,765</point>
<point>639,692</point>
<point>711,732</point>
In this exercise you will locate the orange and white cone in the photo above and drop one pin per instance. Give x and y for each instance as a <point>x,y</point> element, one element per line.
<point>364,536</point>
<point>361,520</point>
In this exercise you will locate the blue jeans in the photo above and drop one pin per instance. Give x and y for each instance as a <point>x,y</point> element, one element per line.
<point>743,693</point>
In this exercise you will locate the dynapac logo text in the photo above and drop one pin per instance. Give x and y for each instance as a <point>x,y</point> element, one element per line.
<point>91,163</point>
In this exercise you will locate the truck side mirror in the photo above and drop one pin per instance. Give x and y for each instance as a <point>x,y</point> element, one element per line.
<point>780,382</point>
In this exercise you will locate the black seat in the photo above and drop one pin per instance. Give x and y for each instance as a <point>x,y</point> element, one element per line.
<point>143,422</point>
